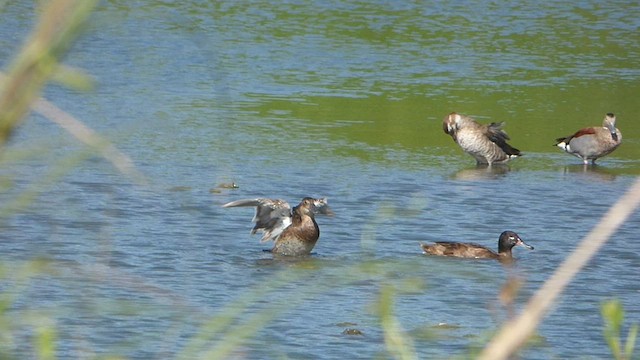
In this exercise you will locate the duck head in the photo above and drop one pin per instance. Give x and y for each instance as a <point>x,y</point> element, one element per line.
<point>310,206</point>
<point>509,239</point>
<point>451,123</point>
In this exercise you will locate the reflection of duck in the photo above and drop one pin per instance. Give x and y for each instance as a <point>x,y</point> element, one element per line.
<point>592,171</point>
<point>482,172</point>
<point>487,143</point>
<point>295,232</point>
<point>593,142</point>
<point>507,240</point>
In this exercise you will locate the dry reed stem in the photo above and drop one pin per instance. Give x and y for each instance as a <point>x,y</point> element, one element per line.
<point>59,23</point>
<point>515,333</point>
<point>89,137</point>
<point>86,135</point>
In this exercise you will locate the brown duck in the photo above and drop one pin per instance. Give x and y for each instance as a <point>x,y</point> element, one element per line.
<point>507,240</point>
<point>294,231</point>
<point>487,143</point>
<point>592,143</point>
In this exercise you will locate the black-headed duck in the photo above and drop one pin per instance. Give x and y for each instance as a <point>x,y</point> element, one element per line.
<point>294,231</point>
<point>507,240</point>
<point>594,142</point>
<point>487,143</point>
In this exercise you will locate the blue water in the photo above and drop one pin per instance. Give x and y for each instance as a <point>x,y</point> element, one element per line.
<point>201,94</point>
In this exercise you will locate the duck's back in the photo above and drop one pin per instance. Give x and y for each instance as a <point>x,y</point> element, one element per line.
<point>594,142</point>
<point>463,250</point>
<point>486,143</point>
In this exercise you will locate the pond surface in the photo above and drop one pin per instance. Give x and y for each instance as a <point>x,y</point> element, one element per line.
<point>318,98</point>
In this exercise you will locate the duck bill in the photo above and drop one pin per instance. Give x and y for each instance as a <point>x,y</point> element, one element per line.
<point>326,210</point>
<point>610,124</point>
<point>524,244</point>
<point>612,131</point>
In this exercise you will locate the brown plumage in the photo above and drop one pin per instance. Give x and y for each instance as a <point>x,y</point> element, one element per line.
<point>487,143</point>
<point>294,231</point>
<point>592,143</point>
<point>507,240</point>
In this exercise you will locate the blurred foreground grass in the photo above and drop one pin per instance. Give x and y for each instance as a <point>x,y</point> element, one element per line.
<point>613,315</point>
<point>39,60</point>
<point>220,335</point>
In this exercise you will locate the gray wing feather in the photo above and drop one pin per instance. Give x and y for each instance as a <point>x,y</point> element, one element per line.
<point>271,218</point>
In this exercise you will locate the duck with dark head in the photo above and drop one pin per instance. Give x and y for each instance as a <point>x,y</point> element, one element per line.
<point>294,231</point>
<point>506,242</point>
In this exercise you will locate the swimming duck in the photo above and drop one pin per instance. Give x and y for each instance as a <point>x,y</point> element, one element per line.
<point>593,142</point>
<point>507,240</point>
<point>487,143</point>
<point>294,231</point>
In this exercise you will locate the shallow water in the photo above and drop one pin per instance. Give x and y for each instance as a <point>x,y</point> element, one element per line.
<point>335,99</point>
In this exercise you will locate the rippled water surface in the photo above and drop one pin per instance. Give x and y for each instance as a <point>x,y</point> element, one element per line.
<point>339,99</point>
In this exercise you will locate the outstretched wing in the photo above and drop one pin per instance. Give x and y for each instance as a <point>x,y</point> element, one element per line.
<point>272,216</point>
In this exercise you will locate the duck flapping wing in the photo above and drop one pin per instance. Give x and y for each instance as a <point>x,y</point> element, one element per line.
<point>272,216</point>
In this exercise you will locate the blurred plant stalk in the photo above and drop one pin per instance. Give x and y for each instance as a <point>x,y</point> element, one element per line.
<point>613,316</point>
<point>39,61</point>
<point>515,332</point>
<point>59,23</point>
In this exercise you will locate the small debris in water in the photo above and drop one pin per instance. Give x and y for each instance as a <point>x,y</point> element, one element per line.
<point>219,187</point>
<point>352,332</point>
<point>444,325</point>
<point>180,188</point>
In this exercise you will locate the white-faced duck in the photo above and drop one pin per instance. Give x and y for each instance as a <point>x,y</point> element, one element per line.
<point>592,143</point>
<point>294,231</point>
<point>487,143</point>
<point>507,240</point>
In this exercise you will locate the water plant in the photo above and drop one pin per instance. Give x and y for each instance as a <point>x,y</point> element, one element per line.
<point>613,316</point>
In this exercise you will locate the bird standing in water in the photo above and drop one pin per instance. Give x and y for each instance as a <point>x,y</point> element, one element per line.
<point>487,143</point>
<point>592,143</point>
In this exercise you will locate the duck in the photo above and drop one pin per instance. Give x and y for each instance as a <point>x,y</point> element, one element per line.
<point>487,143</point>
<point>506,241</point>
<point>294,231</point>
<point>592,143</point>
